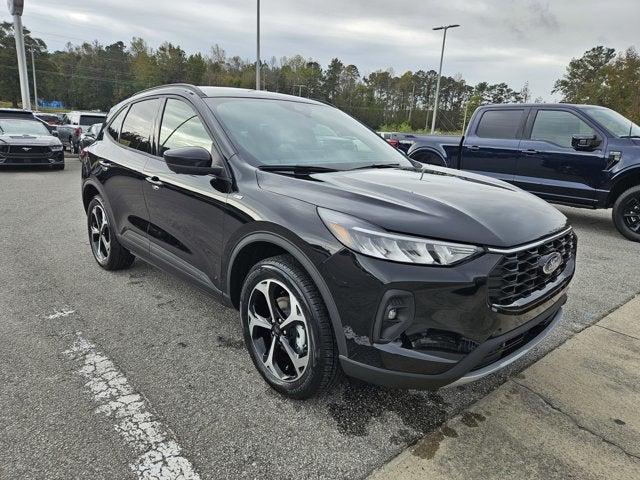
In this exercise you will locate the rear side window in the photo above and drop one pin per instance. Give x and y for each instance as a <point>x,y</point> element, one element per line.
<point>500,124</point>
<point>114,127</point>
<point>138,124</point>
<point>557,127</point>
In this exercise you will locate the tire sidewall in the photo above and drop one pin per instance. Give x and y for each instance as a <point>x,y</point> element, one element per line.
<point>312,375</point>
<point>617,214</point>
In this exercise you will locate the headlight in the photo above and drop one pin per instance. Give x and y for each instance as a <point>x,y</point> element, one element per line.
<point>55,148</point>
<point>373,241</point>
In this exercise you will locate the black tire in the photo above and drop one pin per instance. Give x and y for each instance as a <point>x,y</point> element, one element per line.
<point>116,257</point>
<point>322,369</point>
<point>626,213</point>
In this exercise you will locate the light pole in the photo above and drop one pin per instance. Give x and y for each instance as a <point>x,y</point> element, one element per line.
<point>258,46</point>
<point>15,9</point>
<point>435,104</point>
<point>35,86</point>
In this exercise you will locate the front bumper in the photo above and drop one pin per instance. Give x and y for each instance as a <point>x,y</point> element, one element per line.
<point>466,370</point>
<point>452,331</point>
<point>53,158</point>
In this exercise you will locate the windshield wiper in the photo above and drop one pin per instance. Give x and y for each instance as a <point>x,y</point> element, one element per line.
<point>296,168</point>
<point>378,165</point>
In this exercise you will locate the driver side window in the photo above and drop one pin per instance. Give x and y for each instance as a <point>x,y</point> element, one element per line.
<point>181,127</point>
<point>557,127</point>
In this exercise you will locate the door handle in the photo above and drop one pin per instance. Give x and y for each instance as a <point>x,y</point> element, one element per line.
<point>155,182</point>
<point>104,164</point>
<point>473,147</point>
<point>529,151</point>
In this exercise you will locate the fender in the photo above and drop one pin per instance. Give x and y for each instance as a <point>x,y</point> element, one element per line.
<point>625,178</point>
<point>98,186</point>
<point>307,264</point>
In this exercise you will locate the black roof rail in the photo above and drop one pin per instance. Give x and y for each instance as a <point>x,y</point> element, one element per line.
<point>187,86</point>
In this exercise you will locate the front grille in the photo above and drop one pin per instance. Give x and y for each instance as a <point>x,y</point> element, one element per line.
<point>506,348</point>
<point>519,274</point>
<point>30,150</point>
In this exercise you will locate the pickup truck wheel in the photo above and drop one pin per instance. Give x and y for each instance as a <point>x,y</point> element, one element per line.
<point>626,214</point>
<point>287,329</point>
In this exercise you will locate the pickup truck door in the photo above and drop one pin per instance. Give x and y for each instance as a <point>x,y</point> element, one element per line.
<point>550,167</point>
<point>492,144</point>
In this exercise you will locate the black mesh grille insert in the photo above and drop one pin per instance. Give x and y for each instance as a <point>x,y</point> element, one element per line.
<point>520,274</point>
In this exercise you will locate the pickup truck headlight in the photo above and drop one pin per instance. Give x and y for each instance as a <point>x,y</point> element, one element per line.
<point>373,241</point>
<point>55,148</point>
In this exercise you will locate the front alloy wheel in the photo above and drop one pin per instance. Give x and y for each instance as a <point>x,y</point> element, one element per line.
<point>287,329</point>
<point>279,331</point>
<point>626,214</point>
<point>106,248</point>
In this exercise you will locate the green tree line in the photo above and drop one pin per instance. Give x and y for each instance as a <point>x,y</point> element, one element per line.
<point>96,76</point>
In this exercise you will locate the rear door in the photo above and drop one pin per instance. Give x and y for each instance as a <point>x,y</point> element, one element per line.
<point>185,211</point>
<point>492,146</point>
<point>550,167</point>
<point>119,162</point>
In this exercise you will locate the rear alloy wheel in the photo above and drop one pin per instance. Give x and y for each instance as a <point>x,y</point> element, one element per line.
<point>106,249</point>
<point>287,329</point>
<point>626,214</point>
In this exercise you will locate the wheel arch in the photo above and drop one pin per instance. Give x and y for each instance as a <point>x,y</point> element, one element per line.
<point>89,190</point>
<point>428,149</point>
<point>625,181</point>
<point>260,245</point>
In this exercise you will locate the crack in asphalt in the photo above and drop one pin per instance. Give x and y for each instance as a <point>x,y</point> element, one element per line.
<point>619,333</point>
<point>574,420</point>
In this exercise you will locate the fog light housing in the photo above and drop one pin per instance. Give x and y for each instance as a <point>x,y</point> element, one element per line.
<point>395,314</point>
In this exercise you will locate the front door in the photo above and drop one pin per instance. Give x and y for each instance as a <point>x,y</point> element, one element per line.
<point>185,211</point>
<point>550,167</point>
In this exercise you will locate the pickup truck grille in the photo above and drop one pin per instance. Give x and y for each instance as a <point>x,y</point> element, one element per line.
<point>520,274</point>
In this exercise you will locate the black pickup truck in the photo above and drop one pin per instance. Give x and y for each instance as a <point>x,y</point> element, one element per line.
<point>578,155</point>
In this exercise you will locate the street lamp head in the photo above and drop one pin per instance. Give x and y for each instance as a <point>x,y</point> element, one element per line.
<point>15,7</point>
<point>445,27</point>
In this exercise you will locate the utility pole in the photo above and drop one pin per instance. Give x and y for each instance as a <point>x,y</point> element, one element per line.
<point>464,120</point>
<point>258,46</point>
<point>15,9</point>
<point>35,86</point>
<point>413,97</point>
<point>435,105</point>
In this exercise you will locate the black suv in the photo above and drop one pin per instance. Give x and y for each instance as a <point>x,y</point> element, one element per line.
<point>26,141</point>
<point>339,252</point>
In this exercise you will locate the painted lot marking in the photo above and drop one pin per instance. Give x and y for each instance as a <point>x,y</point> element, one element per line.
<point>158,452</point>
<point>65,312</point>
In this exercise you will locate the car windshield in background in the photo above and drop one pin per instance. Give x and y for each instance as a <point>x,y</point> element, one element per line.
<point>613,121</point>
<point>280,133</point>
<point>22,127</point>
<point>91,119</point>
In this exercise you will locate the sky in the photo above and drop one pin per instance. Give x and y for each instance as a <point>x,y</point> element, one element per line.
<point>512,41</point>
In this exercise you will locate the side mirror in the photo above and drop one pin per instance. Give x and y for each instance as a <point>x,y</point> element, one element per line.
<point>585,142</point>
<point>191,160</point>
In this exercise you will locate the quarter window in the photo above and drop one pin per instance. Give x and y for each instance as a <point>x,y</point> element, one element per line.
<point>557,127</point>
<point>114,127</point>
<point>138,124</point>
<point>181,127</point>
<point>500,124</point>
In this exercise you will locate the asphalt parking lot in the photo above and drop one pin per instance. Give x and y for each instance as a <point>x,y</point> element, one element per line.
<point>181,356</point>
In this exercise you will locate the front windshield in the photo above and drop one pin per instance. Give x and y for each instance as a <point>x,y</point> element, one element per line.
<point>279,132</point>
<point>613,121</point>
<point>10,126</point>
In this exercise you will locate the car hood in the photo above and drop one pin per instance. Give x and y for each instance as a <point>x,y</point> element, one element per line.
<point>438,203</point>
<point>35,140</point>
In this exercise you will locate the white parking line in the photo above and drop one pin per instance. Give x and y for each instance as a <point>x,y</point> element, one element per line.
<point>65,312</point>
<point>158,452</point>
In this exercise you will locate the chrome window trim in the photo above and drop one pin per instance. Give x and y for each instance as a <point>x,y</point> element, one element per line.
<point>530,245</point>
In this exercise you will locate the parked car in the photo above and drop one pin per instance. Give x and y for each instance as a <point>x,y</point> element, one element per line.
<point>339,255</point>
<point>401,141</point>
<point>579,155</point>
<point>89,136</point>
<point>73,124</point>
<point>24,140</point>
<point>49,118</point>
